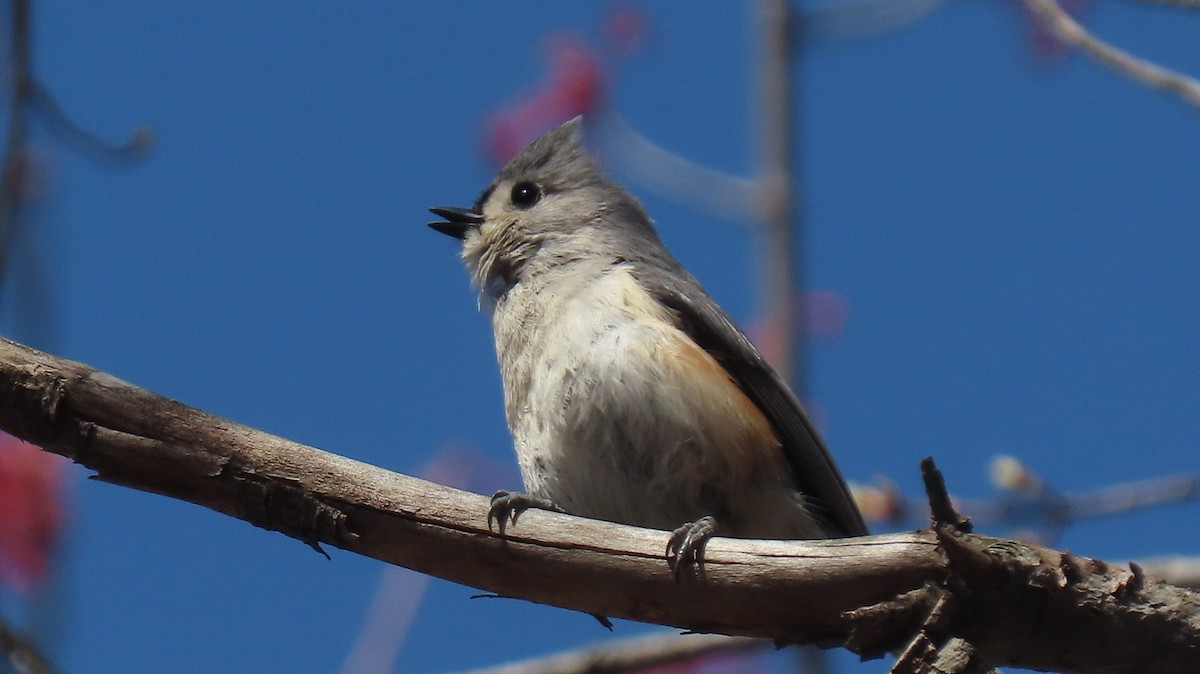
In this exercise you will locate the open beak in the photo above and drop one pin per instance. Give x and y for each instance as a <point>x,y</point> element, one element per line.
<point>458,222</point>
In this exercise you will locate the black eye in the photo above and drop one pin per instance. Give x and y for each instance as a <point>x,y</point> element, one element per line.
<point>526,194</point>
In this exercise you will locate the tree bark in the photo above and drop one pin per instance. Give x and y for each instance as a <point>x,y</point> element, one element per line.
<point>1013,604</point>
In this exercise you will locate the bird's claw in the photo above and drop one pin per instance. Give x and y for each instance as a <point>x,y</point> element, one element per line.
<point>507,507</point>
<point>685,548</point>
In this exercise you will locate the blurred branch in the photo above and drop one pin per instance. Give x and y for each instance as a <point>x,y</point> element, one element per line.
<point>68,130</point>
<point>679,179</point>
<point>1014,603</point>
<point>1031,504</point>
<point>1139,69</point>
<point>1187,4</point>
<point>21,83</point>
<point>630,655</point>
<point>387,623</point>
<point>863,18</point>
<point>1176,570</point>
<point>782,255</point>
<point>1131,496</point>
<point>26,94</point>
<point>389,619</point>
<point>782,251</point>
<point>20,654</point>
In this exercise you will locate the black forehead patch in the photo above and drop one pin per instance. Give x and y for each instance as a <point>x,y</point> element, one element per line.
<point>478,207</point>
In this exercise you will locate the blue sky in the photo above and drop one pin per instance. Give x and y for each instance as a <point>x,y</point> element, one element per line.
<point>1016,241</point>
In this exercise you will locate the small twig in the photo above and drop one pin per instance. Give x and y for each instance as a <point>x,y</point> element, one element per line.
<point>939,500</point>
<point>27,94</point>
<point>629,655</point>
<point>938,647</point>
<point>20,653</point>
<point>1068,30</point>
<point>133,149</point>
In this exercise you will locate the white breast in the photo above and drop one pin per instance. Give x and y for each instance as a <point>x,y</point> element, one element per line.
<point>617,414</point>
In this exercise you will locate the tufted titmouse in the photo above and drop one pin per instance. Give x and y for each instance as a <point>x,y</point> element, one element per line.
<point>631,396</point>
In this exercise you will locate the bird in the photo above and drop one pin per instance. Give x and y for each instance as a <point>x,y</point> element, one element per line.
<point>631,396</point>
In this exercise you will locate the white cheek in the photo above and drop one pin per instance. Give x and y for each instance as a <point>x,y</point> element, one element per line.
<point>479,257</point>
<point>473,248</point>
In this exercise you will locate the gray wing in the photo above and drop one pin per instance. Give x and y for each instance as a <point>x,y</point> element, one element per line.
<point>815,474</point>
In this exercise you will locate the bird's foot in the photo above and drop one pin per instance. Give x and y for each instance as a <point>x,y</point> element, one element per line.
<point>685,549</point>
<point>507,507</point>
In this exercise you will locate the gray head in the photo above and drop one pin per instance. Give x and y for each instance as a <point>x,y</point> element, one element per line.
<point>551,205</point>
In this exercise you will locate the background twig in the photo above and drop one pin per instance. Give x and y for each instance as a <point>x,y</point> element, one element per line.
<point>628,655</point>
<point>1187,4</point>
<point>1068,30</point>
<point>13,167</point>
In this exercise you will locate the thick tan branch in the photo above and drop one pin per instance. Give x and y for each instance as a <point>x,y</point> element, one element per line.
<point>1016,604</point>
<point>139,439</point>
